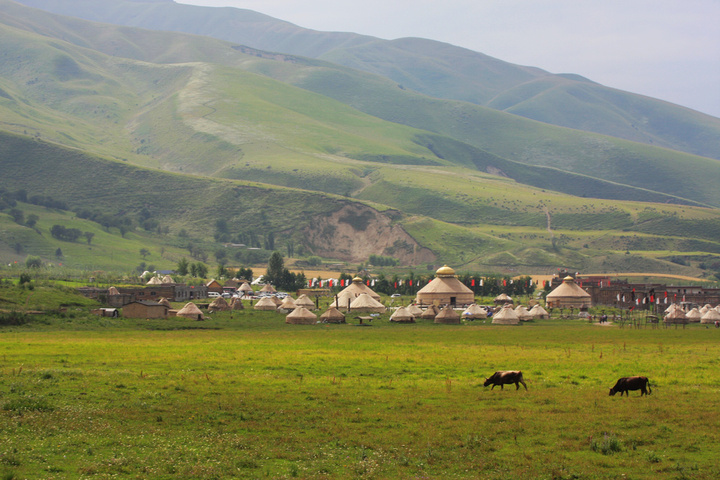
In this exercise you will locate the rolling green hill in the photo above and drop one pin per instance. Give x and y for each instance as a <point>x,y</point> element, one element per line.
<point>432,68</point>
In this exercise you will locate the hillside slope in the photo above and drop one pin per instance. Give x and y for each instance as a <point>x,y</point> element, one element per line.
<point>432,68</point>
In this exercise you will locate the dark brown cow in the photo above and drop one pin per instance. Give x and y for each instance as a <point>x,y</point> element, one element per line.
<point>625,384</point>
<point>506,378</point>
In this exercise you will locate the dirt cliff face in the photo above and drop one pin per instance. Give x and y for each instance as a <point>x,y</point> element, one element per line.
<point>354,232</point>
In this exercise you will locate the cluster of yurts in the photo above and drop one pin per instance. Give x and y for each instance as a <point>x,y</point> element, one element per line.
<point>707,314</point>
<point>358,298</point>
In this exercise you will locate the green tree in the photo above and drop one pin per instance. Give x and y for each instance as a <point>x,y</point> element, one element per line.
<point>58,253</point>
<point>182,266</point>
<point>33,262</point>
<point>144,252</point>
<point>88,236</point>
<point>31,220</point>
<point>276,265</point>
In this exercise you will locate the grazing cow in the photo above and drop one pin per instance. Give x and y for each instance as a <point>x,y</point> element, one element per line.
<point>625,384</point>
<point>506,378</point>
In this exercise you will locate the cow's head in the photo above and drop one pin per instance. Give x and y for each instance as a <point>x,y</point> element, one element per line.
<point>488,381</point>
<point>612,392</point>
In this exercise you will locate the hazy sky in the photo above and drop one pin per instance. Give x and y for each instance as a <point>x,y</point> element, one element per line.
<point>667,49</point>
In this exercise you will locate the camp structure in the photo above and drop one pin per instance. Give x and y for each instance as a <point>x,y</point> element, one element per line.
<point>145,309</point>
<point>523,313</point>
<point>288,303</point>
<point>236,304</point>
<point>402,315</point>
<point>430,313</point>
<point>164,301</point>
<point>568,294</point>
<point>711,316</point>
<point>693,316</point>
<point>245,289</point>
<point>267,288</point>
<point>539,312</point>
<point>304,301</point>
<point>505,316</point>
<point>676,315</point>
<point>191,311</point>
<point>414,310</point>
<point>214,286</point>
<point>445,289</point>
<point>265,303</point>
<point>167,279</point>
<point>448,316</point>
<point>154,281</point>
<point>366,303</point>
<point>333,315</point>
<point>474,312</point>
<point>343,300</point>
<point>358,287</point>
<point>301,316</point>
<point>502,299</point>
<point>218,305</point>
<point>113,291</point>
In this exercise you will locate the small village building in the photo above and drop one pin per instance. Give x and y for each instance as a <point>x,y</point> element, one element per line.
<point>191,311</point>
<point>448,316</point>
<point>402,315</point>
<point>366,303</point>
<point>430,313</point>
<point>167,279</point>
<point>414,310</point>
<point>304,301</point>
<point>343,300</point>
<point>218,305</point>
<point>154,281</point>
<point>710,317</point>
<point>267,288</point>
<point>301,316</point>
<point>236,304</point>
<point>333,315</point>
<point>445,289</point>
<point>214,286</point>
<point>245,289</point>
<point>568,295</point>
<point>358,287</point>
<point>506,316</point>
<point>693,316</point>
<point>538,312</point>
<point>502,299</point>
<point>266,304</point>
<point>474,312</point>
<point>676,315</point>
<point>523,313</point>
<point>288,304</point>
<point>145,309</point>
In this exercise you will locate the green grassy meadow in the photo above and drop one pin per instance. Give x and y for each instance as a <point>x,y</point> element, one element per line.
<point>247,396</point>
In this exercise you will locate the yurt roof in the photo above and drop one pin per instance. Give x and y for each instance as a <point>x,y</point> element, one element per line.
<point>154,281</point>
<point>190,309</point>
<point>402,314</point>
<point>113,291</point>
<point>506,316</point>
<point>503,297</point>
<point>267,288</point>
<point>693,314</point>
<point>304,301</point>
<point>358,287</point>
<point>219,304</point>
<point>445,284</point>
<point>302,312</point>
<point>447,314</point>
<point>676,314</point>
<point>523,313</point>
<point>568,289</point>
<point>245,287</point>
<point>711,316</point>
<point>538,311</point>
<point>474,311</point>
<point>236,304</point>
<point>365,302</point>
<point>430,313</point>
<point>265,303</point>
<point>168,279</point>
<point>288,303</point>
<point>414,310</point>
<point>164,301</point>
<point>332,314</point>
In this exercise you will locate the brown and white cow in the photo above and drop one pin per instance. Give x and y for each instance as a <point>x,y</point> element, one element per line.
<point>506,378</point>
<point>625,384</point>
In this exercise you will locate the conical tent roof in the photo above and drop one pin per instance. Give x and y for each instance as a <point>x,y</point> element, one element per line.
<point>288,303</point>
<point>365,303</point>
<point>113,291</point>
<point>267,288</point>
<point>448,316</point>
<point>711,316</point>
<point>414,310</point>
<point>430,313</point>
<point>304,301</point>
<point>402,315</point>
<point>333,315</point>
<point>265,303</point>
<point>523,313</point>
<point>506,316</point>
<point>167,279</point>
<point>164,301</point>
<point>236,304</point>
<point>569,289</point>
<point>301,316</point>
<point>445,288</point>
<point>358,287</point>
<point>190,310</point>
<point>676,315</point>
<point>693,315</point>
<point>154,281</point>
<point>503,298</point>
<point>672,308</point>
<point>343,299</point>
<point>539,312</point>
<point>219,304</point>
<point>245,288</point>
<point>474,311</point>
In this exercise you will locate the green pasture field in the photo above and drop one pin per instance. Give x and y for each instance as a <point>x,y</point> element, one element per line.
<point>248,396</point>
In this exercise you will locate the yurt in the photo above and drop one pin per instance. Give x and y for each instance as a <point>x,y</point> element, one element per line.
<point>167,279</point>
<point>676,316</point>
<point>523,313</point>
<point>539,312</point>
<point>288,303</point>
<point>191,311</point>
<point>445,289</point>
<point>301,316</point>
<point>113,291</point>
<point>358,287</point>
<point>672,308</point>
<point>448,316</point>
<point>343,300</point>
<point>502,299</point>
<point>506,316</point>
<point>414,310</point>
<point>164,301</point>
<point>267,288</point>
<point>474,312</point>
<point>236,304</point>
<point>154,281</point>
<point>568,294</point>
<point>265,303</point>
<point>365,303</point>
<point>430,313</point>
<point>333,315</point>
<point>245,289</point>
<point>218,305</point>
<point>711,316</point>
<point>305,301</point>
<point>401,315</point>
<point>693,316</point>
